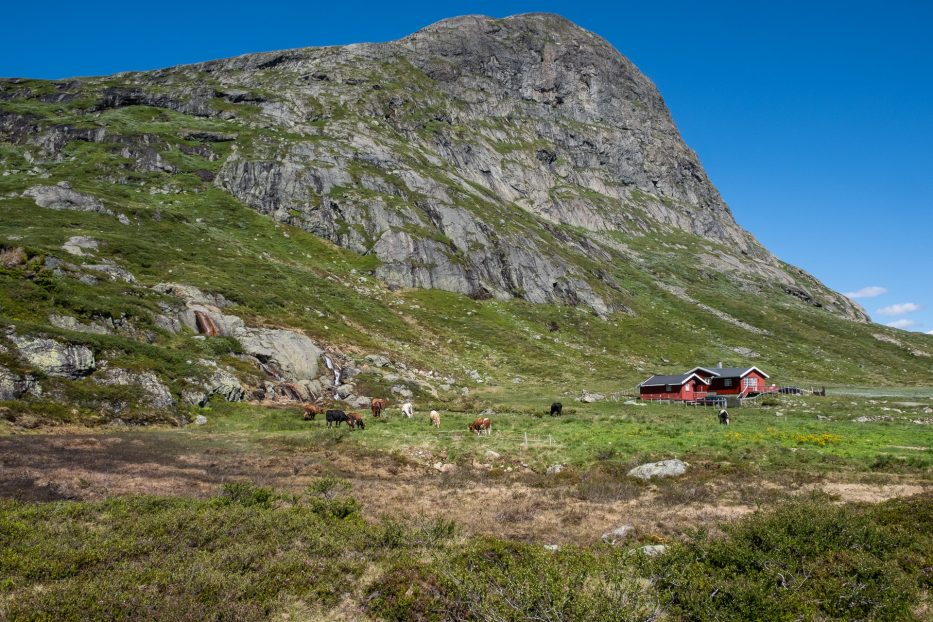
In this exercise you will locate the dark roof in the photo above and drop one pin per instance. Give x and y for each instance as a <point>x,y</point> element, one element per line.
<point>729,372</point>
<point>678,380</point>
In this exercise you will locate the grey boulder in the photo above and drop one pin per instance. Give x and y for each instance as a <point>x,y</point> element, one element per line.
<point>665,468</point>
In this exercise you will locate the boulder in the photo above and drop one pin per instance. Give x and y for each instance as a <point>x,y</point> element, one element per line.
<point>62,196</point>
<point>402,391</point>
<point>665,468</point>
<point>200,420</point>
<point>445,467</point>
<point>377,360</point>
<point>54,358</point>
<point>554,469</point>
<point>345,390</point>
<point>652,550</point>
<point>493,455</point>
<point>588,398</point>
<point>291,352</point>
<point>618,535</point>
<point>77,244</point>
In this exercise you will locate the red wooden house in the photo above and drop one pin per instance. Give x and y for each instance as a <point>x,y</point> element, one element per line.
<point>702,382</point>
<point>685,387</point>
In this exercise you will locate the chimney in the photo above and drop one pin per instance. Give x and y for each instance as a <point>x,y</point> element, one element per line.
<point>719,365</point>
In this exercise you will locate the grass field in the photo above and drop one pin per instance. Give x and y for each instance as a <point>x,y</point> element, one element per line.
<point>807,433</point>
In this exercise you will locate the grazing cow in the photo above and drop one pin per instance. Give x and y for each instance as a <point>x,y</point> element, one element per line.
<point>483,425</point>
<point>408,410</point>
<point>377,405</point>
<point>355,421</point>
<point>311,411</point>
<point>435,419</point>
<point>557,409</point>
<point>335,417</point>
<point>724,417</point>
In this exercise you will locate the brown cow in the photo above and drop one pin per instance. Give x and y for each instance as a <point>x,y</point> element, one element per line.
<point>483,425</point>
<point>355,421</point>
<point>377,405</point>
<point>311,410</point>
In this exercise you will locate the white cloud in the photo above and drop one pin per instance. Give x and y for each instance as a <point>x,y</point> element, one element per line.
<point>904,323</point>
<point>867,292</point>
<point>930,332</point>
<point>898,309</point>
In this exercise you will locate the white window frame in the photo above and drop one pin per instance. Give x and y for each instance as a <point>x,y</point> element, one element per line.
<point>668,388</point>
<point>727,382</point>
<point>750,382</point>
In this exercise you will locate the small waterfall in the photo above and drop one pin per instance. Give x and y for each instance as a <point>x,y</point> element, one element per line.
<point>330,365</point>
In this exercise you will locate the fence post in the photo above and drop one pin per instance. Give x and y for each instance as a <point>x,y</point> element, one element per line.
<point>526,441</point>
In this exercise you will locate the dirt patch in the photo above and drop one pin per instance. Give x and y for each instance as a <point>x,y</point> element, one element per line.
<point>523,506</point>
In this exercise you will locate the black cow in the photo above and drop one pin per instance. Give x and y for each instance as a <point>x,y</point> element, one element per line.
<point>335,417</point>
<point>724,417</point>
<point>557,409</point>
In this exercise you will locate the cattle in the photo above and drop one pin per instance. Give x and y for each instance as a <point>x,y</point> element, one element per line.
<point>435,419</point>
<point>408,410</point>
<point>335,417</point>
<point>724,417</point>
<point>355,421</point>
<point>557,409</point>
<point>311,411</point>
<point>377,405</point>
<point>483,425</point>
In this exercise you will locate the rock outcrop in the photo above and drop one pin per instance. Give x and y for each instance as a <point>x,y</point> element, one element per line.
<point>55,358</point>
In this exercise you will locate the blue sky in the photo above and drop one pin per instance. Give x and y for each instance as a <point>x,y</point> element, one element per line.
<point>814,119</point>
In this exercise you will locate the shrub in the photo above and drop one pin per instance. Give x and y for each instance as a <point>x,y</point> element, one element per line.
<point>246,494</point>
<point>806,560</point>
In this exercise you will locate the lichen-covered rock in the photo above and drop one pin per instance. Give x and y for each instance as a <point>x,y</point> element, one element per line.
<point>152,392</point>
<point>665,468</point>
<point>54,358</point>
<point>69,323</point>
<point>62,196</point>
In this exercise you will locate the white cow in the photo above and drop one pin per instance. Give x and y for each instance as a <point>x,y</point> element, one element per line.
<point>408,410</point>
<point>435,419</point>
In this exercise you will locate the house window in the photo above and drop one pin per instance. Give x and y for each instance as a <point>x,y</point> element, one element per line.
<point>689,388</point>
<point>751,382</point>
<point>667,388</point>
<point>727,382</point>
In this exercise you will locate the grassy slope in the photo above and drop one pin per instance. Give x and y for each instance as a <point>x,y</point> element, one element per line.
<point>190,232</point>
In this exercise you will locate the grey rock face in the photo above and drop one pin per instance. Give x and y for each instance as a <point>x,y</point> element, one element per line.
<point>284,354</point>
<point>54,358</point>
<point>293,353</point>
<point>665,468</point>
<point>13,386</point>
<point>220,382</point>
<point>154,393</point>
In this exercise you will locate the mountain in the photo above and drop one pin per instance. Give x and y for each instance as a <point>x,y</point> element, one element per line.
<point>485,200</point>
